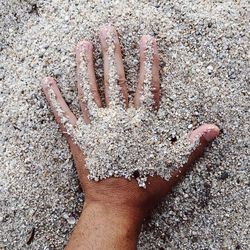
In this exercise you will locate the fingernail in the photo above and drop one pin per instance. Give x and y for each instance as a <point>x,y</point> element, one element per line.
<point>84,45</point>
<point>46,82</point>
<point>210,135</point>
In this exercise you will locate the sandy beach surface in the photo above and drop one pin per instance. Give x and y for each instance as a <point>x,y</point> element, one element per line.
<point>203,47</point>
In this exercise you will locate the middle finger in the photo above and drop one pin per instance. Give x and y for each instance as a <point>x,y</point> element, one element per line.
<point>114,76</point>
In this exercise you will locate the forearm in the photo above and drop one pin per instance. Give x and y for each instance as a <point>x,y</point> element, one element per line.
<point>101,227</point>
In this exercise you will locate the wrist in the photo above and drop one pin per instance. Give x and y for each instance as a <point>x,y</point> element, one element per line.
<point>124,219</point>
<point>105,227</point>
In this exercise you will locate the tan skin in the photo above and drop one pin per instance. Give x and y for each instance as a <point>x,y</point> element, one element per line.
<point>114,209</point>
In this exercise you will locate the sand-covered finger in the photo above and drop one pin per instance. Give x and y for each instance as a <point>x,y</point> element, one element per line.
<point>203,135</point>
<point>88,93</point>
<point>63,115</point>
<point>148,87</point>
<point>116,92</point>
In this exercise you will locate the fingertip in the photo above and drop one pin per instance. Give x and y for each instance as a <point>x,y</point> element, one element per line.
<point>47,82</point>
<point>104,32</point>
<point>212,131</point>
<point>105,29</point>
<point>84,45</point>
<point>208,131</point>
<point>145,39</point>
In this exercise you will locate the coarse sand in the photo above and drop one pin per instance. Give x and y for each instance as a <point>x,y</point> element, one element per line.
<point>203,48</point>
<point>120,141</point>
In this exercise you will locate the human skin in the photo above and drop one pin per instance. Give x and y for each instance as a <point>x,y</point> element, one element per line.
<point>115,208</point>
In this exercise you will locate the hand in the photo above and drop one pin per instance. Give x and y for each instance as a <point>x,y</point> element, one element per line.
<point>118,200</point>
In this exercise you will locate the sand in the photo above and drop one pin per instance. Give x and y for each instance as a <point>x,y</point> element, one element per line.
<point>203,50</point>
<point>120,141</point>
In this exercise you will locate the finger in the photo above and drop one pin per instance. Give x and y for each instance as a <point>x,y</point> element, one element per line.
<point>148,87</point>
<point>80,164</point>
<point>115,83</point>
<point>160,187</point>
<point>88,94</point>
<point>206,134</point>
<point>63,115</point>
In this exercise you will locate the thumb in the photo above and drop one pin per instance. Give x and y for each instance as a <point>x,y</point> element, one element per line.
<point>206,133</point>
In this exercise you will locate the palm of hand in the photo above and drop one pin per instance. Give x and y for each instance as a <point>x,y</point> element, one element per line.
<point>113,136</point>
